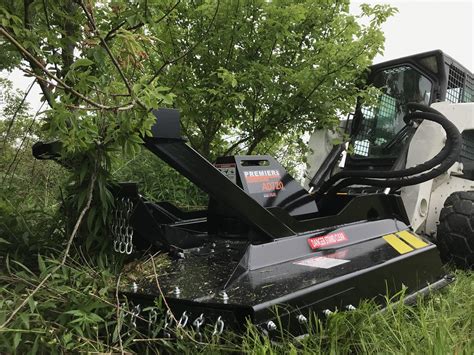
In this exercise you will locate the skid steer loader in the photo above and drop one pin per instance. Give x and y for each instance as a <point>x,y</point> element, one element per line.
<point>381,140</point>
<point>364,229</point>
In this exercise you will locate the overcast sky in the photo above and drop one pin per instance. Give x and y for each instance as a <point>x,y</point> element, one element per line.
<point>424,25</point>
<point>419,26</point>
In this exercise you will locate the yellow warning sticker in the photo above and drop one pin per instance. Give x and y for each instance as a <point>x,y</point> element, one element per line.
<point>397,243</point>
<point>411,239</point>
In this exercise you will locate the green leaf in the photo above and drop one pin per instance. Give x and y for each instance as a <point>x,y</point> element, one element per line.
<point>25,319</point>
<point>32,304</point>
<point>41,264</point>
<point>82,62</point>
<point>16,340</point>
<point>66,339</point>
<point>82,172</point>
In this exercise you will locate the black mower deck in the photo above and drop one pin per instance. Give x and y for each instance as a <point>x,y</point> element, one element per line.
<point>373,263</point>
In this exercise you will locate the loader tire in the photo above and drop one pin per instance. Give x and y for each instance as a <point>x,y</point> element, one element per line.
<point>455,236</point>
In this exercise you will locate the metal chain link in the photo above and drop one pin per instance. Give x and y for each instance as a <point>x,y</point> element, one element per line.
<point>198,322</point>
<point>152,320</point>
<point>183,320</point>
<point>135,313</point>
<point>218,327</point>
<point>122,231</point>
<point>167,324</point>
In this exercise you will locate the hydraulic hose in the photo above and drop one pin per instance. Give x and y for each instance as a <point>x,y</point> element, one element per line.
<point>438,164</point>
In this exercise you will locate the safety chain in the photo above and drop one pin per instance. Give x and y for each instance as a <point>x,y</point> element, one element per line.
<point>152,318</point>
<point>198,322</point>
<point>121,230</point>
<point>218,327</point>
<point>167,324</point>
<point>170,323</point>
<point>135,313</point>
<point>183,320</point>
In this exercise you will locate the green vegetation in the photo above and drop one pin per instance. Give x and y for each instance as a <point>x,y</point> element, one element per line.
<point>76,311</point>
<point>249,76</point>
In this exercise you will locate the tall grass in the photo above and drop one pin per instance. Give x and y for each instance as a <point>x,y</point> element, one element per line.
<point>76,310</point>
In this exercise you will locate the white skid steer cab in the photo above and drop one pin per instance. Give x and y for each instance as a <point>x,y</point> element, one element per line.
<point>416,142</point>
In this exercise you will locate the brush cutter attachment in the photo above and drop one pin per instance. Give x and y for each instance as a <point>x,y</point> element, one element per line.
<point>264,248</point>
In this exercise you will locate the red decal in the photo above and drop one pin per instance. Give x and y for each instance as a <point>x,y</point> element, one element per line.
<point>252,179</point>
<point>327,240</point>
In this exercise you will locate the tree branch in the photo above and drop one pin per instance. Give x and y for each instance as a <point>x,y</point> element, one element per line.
<point>16,158</point>
<point>231,44</point>
<point>27,22</point>
<point>111,33</point>
<point>117,314</point>
<point>36,63</point>
<point>17,110</point>
<point>107,49</point>
<point>80,218</point>
<point>189,50</point>
<point>48,24</point>
<point>235,145</point>
<point>67,35</point>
